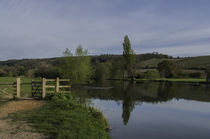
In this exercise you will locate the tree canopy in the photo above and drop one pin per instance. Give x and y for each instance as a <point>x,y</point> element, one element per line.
<point>168,69</point>
<point>129,57</point>
<point>76,67</point>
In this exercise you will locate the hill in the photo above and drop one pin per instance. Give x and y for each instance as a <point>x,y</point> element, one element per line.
<point>144,61</point>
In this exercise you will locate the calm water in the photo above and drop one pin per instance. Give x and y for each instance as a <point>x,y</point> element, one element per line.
<point>151,110</point>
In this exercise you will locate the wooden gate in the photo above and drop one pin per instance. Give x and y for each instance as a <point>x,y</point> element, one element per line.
<point>10,89</point>
<point>36,88</point>
<point>50,86</point>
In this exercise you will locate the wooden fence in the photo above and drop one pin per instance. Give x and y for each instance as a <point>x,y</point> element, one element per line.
<point>37,87</point>
<point>55,85</point>
<point>15,86</point>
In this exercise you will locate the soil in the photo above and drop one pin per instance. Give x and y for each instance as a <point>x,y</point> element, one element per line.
<point>19,130</point>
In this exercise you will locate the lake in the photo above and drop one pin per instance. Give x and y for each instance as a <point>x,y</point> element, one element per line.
<point>151,110</point>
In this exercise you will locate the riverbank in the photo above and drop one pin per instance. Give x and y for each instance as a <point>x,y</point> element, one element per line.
<point>183,80</point>
<point>64,117</point>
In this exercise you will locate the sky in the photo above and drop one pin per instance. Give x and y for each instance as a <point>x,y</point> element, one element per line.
<point>45,28</point>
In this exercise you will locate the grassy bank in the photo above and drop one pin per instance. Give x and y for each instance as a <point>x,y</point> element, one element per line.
<point>63,117</point>
<point>187,80</point>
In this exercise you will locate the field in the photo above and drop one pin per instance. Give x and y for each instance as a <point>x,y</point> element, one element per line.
<point>25,87</point>
<point>200,62</point>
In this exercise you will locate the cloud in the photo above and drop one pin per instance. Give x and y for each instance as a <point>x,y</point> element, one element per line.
<point>44,28</point>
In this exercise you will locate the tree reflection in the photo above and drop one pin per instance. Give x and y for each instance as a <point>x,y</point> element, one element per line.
<point>128,103</point>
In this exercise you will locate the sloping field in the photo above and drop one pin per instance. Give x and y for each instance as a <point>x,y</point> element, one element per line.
<point>195,62</point>
<point>200,62</point>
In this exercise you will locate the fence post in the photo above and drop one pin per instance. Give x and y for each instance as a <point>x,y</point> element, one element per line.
<point>43,87</point>
<point>57,84</point>
<point>18,87</point>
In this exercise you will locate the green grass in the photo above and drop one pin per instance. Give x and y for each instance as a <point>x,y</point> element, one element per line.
<point>199,62</point>
<point>187,80</point>
<point>195,62</point>
<point>25,88</point>
<point>64,118</point>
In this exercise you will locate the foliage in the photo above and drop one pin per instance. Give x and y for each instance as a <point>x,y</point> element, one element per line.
<point>63,117</point>
<point>78,67</point>
<point>168,69</point>
<point>2,73</point>
<point>152,74</point>
<point>129,57</point>
<point>116,69</point>
<point>102,71</point>
<point>208,74</point>
<point>195,75</point>
<point>47,72</point>
<point>21,71</point>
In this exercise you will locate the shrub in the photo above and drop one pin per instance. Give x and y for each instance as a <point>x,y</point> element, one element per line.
<point>152,74</point>
<point>168,69</point>
<point>195,75</point>
<point>46,72</point>
<point>2,73</point>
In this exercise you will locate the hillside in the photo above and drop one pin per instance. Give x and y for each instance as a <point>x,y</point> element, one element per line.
<point>200,62</point>
<point>144,61</point>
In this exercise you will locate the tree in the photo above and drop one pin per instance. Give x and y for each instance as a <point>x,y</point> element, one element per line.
<point>102,71</point>
<point>152,74</point>
<point>76,67</point>
<point>168,69</point>
<point>21,70</point>
<point>208,74</point>
<point>2,73</point>
<point>129,58</point>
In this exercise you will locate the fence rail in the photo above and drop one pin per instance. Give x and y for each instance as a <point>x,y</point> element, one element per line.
<point>42,87</point>
<point>38,87</point>
<point>15,86</point>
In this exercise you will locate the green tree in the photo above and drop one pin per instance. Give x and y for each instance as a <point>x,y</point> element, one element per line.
<point>152,74</point>
<point>2,73</point>
<point>21,70</point>
<point>208,74</point>
<point>76,67</point>
<point>129,58</point>
<point>168,69</point>
<point>102,71</point>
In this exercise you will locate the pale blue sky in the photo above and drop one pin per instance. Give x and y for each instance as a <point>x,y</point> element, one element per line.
<point>44,28</point>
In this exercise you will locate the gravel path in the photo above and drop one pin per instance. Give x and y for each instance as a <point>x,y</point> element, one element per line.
<point>20,130</point>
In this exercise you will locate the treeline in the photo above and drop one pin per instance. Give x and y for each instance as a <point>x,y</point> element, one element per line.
<point>46,67</point>
<point>80,67</point>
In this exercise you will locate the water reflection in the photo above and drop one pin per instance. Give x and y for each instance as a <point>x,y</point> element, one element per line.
<point>135,94</point>
<point>128,102</point>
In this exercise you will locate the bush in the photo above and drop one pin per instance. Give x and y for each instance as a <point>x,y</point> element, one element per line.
<point>208,74</point>
<point>46,72</point>
<point>102,71</point>
<point>140,75</point>
<point>195,75</point>
<point>168,69</point>
<point>2,73</point>
<point>152,74</point>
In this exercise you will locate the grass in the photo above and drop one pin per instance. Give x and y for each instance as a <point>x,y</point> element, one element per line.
<point>25,87</point>
<point>199,62</point>
<point>64,118</point>
<point>188,80</point>
<point>195,62</point>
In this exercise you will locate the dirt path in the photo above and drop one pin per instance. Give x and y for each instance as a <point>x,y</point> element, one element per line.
<point>9,130</point>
